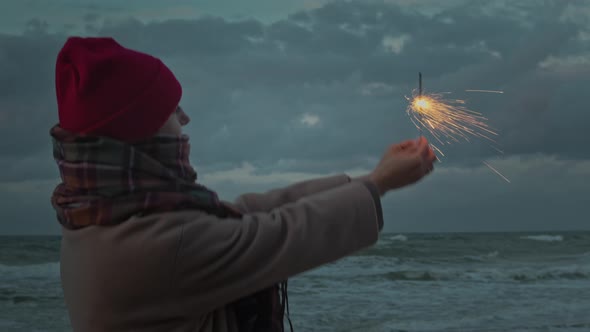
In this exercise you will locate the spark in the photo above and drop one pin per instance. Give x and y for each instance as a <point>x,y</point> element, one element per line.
<point>486,91</point>
<point>450,120</point>
<point>496,171</point>
<point>500,151</point>
<point>447,120</point>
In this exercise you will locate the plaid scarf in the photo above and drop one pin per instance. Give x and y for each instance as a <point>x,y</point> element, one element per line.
<point>105,182</point>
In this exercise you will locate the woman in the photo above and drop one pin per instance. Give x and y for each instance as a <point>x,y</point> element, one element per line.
<point>146,248</point>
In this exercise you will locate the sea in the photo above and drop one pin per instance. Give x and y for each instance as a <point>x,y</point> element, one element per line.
<point>406,282</point>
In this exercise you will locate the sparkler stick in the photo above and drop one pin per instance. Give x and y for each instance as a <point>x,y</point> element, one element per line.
<point>420,84</point>
<point>420,95</point>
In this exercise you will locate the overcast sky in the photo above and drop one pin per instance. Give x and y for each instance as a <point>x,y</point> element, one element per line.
<point>282,91</point>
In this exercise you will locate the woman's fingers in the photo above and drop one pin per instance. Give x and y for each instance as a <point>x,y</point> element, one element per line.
<point>427,156</point>
<point>405,145</point>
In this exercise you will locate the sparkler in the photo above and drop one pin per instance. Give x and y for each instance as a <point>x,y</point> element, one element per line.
<point>449,120</point>
<point>420,96</point>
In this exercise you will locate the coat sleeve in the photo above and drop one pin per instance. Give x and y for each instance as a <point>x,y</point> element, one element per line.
<point>221,260</point>
<point>264,202</point>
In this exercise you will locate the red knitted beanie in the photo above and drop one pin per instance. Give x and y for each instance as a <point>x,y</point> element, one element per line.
<point>104,89</point>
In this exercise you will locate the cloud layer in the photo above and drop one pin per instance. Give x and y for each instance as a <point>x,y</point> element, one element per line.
<point>321,91</point>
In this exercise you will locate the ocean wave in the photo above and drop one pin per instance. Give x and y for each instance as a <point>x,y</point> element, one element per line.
<point>28,299</point>
<point>412,276</point>
<point>386,241</point>
<point>490,275</point>
<point>399,237</point>
<point>546,238</point>
<point>482,258</point>
<point>44,270</point>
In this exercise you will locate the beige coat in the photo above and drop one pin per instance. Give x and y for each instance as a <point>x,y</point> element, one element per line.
<point>177,271</point>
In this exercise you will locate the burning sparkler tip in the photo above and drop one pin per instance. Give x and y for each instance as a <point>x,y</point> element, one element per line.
<point>449,120</point>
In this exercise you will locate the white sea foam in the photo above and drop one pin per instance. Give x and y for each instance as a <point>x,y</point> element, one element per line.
<point>492,254</point>
<point>381,242</point>
<point>481,258</point>
<point>530,274</point>
<point>399,237</point>
<point>546,238</point>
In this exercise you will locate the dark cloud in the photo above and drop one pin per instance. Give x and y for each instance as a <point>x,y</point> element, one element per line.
<point>27,98</point>
<point>32,167</point>
<point>248,85</point>
<point>334,49</point>
<point>211,36</point>
<point>36,26</point>
<point>89,7</point>
<point>91,21</point>
<point>91,17</point>
<point>339,42</point>
<point>28,209</point>
<point>464,199</point>
<point>545,194</point>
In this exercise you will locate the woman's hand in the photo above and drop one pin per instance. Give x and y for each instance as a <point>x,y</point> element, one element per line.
<point>403,164</point>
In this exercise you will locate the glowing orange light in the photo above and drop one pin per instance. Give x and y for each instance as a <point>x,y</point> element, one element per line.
<point>449,120</point>
<point>421,102</point>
